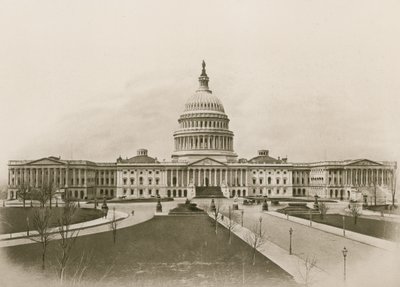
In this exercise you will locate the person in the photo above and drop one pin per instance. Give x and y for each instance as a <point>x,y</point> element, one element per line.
<point>133,212</point>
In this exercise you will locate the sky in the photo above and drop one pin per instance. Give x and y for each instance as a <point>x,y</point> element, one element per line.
<point>308,79</point>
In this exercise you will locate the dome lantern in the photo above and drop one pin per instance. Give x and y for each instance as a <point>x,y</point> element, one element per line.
<point>203,79</point>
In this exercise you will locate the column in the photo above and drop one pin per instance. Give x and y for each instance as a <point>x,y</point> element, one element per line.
<point>198,177</point>
<point>215,178</point>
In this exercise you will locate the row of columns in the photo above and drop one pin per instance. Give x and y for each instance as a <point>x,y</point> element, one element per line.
<point>363,177</point>
<point>204,124</point>
<point>206,177</point>
<point>35,177</point>
<point>204,142</point>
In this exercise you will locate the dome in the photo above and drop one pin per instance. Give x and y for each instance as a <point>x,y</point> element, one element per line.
<point>204,100</point>
<point>203,128</point>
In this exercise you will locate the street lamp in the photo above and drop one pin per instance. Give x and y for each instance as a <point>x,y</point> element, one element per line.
<point>290,242</point>
<point>344,225</point>
<point>344,251</point>
<point>242,216</point>
<point>260,219</point>
<point>310,218</point>
<point>27,225</point>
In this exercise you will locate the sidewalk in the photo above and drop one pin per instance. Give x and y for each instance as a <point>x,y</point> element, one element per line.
<point>143,212</point>
<point>377,242</point>
<point>292,264</point>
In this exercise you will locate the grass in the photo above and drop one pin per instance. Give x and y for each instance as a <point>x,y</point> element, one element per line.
<point>129,200</point>
<point>377,228</point>
<point>13,219</point>
<point>164,251</point>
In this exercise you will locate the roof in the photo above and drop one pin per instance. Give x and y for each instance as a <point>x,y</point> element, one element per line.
<point>264,159</point>
<point>139,159</point>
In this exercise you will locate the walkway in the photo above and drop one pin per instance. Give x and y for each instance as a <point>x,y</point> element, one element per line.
<point>123,212</point>
<point>366,265</point>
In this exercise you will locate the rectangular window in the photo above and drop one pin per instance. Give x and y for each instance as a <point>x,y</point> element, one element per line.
<point>124,181</point>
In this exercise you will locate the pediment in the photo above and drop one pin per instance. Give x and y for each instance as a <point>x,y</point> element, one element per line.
<point>207,162</point>
<point>46,161</point>
<point>364,162</point>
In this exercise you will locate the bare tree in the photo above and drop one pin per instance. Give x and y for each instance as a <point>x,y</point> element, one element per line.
<point>68,237</point>
<point>23,192</point>
<point>216,211</point>
<point>309,265</point>
<point>255,238</point>
<point>45,193</point>
<point>114,226</point>
<point>393,191</point>
<point>41,223</point>
<point>232,221</point>
<point>323,209</point>
<point>355,212</point>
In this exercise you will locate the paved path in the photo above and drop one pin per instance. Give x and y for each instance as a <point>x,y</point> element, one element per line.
<point>143,212</point>
<point>366,264</point>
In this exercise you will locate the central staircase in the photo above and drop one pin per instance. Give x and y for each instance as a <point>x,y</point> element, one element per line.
<point>208,192</point>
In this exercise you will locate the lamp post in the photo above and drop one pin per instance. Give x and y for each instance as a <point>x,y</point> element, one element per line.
<point>242,216</point>
<point>310,218</point>
<point>27,225</point>
<point>260,219</point>
<point>290,241</point>
<point>344,225</point>
<point>344,251</point>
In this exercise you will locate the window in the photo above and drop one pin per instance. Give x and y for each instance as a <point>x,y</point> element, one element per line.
<point>284,181</point>
<point>124,191</point>
<point>141,180</point>
<point>131,191</point>
<point>157,181</point>
<point>254,181</point>
<point>277,191</point>
<point>269,191</point>
<point>124,181</point>
<point>269,180</point>
<point>261,181</point>
<point>150,181</point>
<point>277,181</point>
<point>141,192</point>
<point>132,181</point>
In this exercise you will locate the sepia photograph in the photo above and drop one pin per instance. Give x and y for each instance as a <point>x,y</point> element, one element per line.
<point>199,143</point>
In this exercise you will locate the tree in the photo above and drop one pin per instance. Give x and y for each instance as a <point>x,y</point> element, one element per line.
<point>114,226</point>
<point>309,264</point>
<point>23,192</point>
<point>232,222</point>
<point>218,208</point>
<point>45,193</point>
<point>255,238</point>
<point>68,237</point>
<point>41,223</point>
<point>393,191</point>
<point>323,209</point>
<point>355,212</point>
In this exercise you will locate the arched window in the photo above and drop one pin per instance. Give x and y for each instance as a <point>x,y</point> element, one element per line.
<point>269,180</point>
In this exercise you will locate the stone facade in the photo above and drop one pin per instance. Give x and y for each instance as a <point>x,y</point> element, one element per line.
<point>204,156</point>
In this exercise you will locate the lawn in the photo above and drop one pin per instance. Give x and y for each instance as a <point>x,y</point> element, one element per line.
<point>164,251</point>
<point>13,219</point>
<point>372,227</point>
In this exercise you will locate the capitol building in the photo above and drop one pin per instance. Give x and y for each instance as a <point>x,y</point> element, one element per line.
<point>204,164</point>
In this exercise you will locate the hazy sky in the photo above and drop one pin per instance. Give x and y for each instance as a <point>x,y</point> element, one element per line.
<point>93,80</point>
